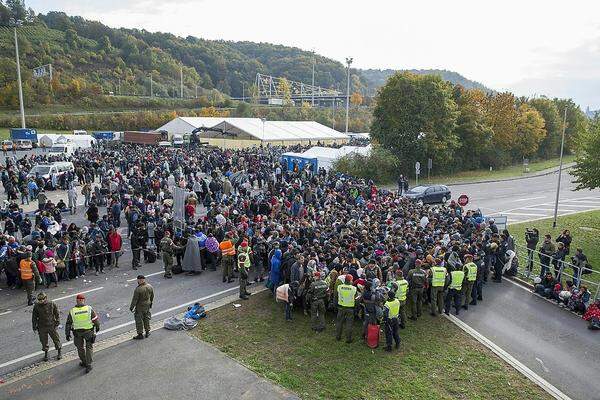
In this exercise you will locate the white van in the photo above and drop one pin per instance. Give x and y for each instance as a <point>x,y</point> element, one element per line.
<point>62,148</point>
<point>45,170</point>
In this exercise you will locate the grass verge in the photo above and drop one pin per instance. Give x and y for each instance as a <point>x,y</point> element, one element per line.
<point>436,359</point>
<point>584,227</point>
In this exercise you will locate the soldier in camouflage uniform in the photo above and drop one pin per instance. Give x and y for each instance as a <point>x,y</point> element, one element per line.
<point>141,303</point>
<point>243,265</point>
<point>317,292</point>
<point>45,320</point>
<point>167,247</point>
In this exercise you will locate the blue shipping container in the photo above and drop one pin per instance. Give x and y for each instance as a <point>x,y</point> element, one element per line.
<point>24,133</point>
<point>103,135</point>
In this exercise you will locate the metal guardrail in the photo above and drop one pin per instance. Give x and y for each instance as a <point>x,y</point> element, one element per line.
<point>530,266</point>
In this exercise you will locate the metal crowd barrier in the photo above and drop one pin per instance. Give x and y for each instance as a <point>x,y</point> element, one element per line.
<point>530,266</point>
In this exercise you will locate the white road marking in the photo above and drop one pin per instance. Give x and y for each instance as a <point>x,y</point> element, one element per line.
<point>526,214</point>
<point>579,205</point>
<point>152,274</point>
<point>519,366</point>
<point>5,312</point>
<point>113,328</point>
<point>545,209</point>
<point>75,294</point>
<point>531,198</point>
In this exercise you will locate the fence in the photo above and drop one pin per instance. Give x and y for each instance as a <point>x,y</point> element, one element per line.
<point>531,266</point>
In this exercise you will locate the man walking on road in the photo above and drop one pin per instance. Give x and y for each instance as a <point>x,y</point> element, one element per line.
<point>115,242</point>
<point>82,321</point>
<point>143,297</point>
<point>167,247</point>
<point>45,319</point>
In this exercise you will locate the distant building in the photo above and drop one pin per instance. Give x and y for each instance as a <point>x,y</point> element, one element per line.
<point>247,132</point>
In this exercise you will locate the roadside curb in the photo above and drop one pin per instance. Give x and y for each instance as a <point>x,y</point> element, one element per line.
<point>509,359</point>
<point>516,178</point>
<point>41,366</point>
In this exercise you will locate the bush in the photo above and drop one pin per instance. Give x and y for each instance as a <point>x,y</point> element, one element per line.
<point>381,165</point>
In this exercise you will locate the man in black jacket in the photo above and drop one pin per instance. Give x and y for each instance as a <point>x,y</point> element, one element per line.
<point>532,237</point>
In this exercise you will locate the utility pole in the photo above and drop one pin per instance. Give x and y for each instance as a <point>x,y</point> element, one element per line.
<point>313,78</point>
<point>562,145</point>
<point>181,78</point>
<point>119,87</point>
<point>21,107</point>
<point>243,92</point>
<point>349,62</point>
<point>196,91</point>
<point>151,88</point>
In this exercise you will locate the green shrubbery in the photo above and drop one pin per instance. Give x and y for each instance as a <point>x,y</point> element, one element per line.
<point>380,165</point>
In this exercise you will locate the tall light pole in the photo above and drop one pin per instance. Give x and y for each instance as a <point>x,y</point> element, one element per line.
<point>15,24</point>
<point>349,62</point>
<point>263,131</point>
<point>562,145</point>
<point>151,86</point>
<point>313,78</point>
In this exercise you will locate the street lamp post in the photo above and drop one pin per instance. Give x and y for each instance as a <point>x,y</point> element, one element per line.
<point>263,132</point>
<point>313,79</point>
<point>562,145</point>
<point>17,23</point>
<point>348,61</point>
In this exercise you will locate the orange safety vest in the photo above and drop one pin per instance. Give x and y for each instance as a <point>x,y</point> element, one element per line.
<point>26,270</point>
<point>227,248</point>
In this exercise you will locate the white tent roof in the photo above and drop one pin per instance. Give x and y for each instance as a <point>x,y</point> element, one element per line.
<point>283,130</point>
<point>49,139</point>
<point>327,155</point>
<point>273,130</point>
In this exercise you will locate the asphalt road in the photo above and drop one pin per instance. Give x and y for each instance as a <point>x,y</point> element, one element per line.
<point>552,342</point>
<point>110,294</point>
<point>528,199</point>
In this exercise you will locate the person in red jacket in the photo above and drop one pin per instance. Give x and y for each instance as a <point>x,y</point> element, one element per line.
<point>115,242</point>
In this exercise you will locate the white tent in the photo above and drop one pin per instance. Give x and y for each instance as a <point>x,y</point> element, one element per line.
<point>78,141</point>
<point>326,156</point>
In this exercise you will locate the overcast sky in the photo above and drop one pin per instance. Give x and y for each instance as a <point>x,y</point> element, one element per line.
<point>531,47</point>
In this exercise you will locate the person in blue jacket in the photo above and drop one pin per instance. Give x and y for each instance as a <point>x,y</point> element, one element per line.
<point>275,274</point>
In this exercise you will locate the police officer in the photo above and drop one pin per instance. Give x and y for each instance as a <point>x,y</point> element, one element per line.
<point>401,292</point>
<point>243,265</point>
<point>29,276</point>
<point>346,296</point>
<point>391,309</point>
<point>437,282</point>
<point>454,291</point>
<point>416,282</point>
<point>82,321</point>
<point>141,303</point>
<point>317,293</point>
<point>45,319</point>
<point>470,270</point>
<point>167,247</point>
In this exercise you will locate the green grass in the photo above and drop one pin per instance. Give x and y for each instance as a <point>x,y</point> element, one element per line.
<point>508,172</point>
<point>436,359</point>
<point>585,230</point>
<point>5,132</point>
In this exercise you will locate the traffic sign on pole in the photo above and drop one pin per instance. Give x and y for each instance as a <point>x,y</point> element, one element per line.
<point>463,200</point>
<point>417,172</point>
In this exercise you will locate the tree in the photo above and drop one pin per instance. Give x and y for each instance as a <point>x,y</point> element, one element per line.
<point>17,9</point>
<point>530,131</point>
<point>587,169</point>
<point>550,146</point>
<point>415,117</point>
<point>356,99</point>
<point>285,91</point>
<point>501,117</point>
<point>577,122</point>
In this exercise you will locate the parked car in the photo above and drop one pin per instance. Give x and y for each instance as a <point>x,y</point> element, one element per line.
<point>23,144</point>
<point>46,170</point>
<point>429,194</point>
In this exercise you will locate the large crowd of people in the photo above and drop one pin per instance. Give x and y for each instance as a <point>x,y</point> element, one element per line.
<point>333,242</point>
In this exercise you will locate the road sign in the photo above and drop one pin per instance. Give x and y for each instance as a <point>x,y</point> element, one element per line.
<point>463,200</point>
<point>418,167</point>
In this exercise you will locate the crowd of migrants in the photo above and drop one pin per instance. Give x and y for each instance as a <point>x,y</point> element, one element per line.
<point>338,243</point>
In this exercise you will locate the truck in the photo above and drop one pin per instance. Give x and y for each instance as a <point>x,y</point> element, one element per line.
<point>23,134</point>
<point>134,137</point>
<point>103,135</point>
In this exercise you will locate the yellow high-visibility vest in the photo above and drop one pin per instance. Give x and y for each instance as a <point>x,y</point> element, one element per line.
<point>394,308</point>
<point>439,276</point>
<point>82,317</point>
<point>346,295</point>
<point>471,271</point>
<point>402,289</point>
<point>457,280</point>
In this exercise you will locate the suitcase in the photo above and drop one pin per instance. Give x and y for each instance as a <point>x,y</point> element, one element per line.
<point>373,336</point>
<point>150,256</point>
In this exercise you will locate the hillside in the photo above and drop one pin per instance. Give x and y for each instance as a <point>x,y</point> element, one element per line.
<point>90,60</point>
<point>375,78</point>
